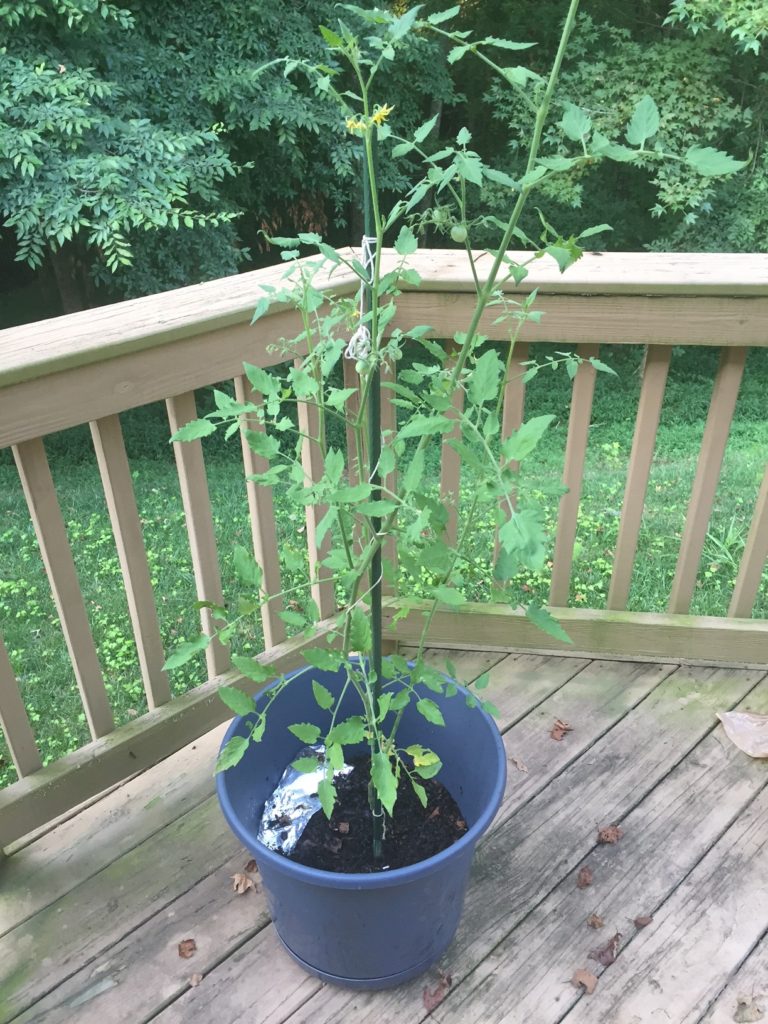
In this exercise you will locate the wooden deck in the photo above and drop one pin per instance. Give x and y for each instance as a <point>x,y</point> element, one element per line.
<point>92,910</point>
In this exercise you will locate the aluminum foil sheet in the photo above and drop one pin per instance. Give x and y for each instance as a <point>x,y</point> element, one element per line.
<point>293,802</point>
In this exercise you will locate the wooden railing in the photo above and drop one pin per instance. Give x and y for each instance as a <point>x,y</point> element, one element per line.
<point>90,367</point>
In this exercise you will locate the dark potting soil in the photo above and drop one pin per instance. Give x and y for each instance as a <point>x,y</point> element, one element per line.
<point>343,842</point>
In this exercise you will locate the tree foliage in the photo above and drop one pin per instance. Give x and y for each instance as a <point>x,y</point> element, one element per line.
<point>154,142</point>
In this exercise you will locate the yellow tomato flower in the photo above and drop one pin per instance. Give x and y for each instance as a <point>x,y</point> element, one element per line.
<point>381,114</point>
<point>355,124</point>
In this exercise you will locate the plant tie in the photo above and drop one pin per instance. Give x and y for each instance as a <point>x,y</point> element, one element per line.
<point>359,347</point>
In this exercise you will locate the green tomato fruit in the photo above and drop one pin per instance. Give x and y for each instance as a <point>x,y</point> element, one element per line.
<point>459,233</point>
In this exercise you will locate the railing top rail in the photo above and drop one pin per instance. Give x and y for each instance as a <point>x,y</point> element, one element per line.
<point>78,339</point>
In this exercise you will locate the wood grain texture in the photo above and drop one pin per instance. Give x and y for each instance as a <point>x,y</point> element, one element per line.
<point>450,460</point>
<point>754,558</point>
<point>524,858</point>
<point>664,838</point>
<point>224,997</point>
<point>748,984</point>
<point>646,634</point>
<point>313,463</point>
<point>51,533</point>
<point>609,319</point>
<point>38,874</point>
<point>388,430</point>
<point>124,515</point>
<point>644,751</point>
<point>140,324</point>
<point>34,958</point>
<point>32,801</point>
<point>14,720</point>
<point>263,529</point>
<point>512,416</point>
<point>680,964</point>
<point>113,383</point>
<point>85,366</point>
<point>573,475</point>
<point>643,444</point>
<point>134,976</point>
<point>195,498</point>
<point>713,444</point>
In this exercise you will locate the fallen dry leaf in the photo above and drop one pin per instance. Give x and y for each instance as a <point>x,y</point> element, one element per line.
<point>518,764</point>
<point>643,921</point>
<point>584,979</point>
<point>748,731</point>
<point>195,980</point>
<point>609,834</point>
<point>251,868</point>
<point>559,729</point>
<point>584,877</point>
<point>748,1010</point>
<point>242,883</point>
<point>187,947</point>
<point>433,997</point>
<point>595,921</point>
<point>607,954</point>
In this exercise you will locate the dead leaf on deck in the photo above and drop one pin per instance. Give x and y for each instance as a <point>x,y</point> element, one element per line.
<point>195,980</point>
<point>748,731</point>
<point>242,883</point>
<point>187,948</point>
<point>584,877</point>
<point>595,921</point>
<point>609,834</point>
<point>432,997</point>
<point>584,979</point>
<point>251,868</point>
<point>559,729</point>
<point>518,764</point>
<point>607,954</point>
<point>643,921</point>
<point>748,1010</point>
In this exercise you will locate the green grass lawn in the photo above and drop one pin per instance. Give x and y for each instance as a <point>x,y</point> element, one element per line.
<point>30,625</point>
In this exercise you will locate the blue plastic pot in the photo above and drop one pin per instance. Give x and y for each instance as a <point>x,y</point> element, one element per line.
<point>367,931</point>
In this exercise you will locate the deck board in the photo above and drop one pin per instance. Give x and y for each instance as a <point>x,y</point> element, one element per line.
<point>95,939</point>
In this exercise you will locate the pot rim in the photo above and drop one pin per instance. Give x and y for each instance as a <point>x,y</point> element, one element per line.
<point>375,879</point>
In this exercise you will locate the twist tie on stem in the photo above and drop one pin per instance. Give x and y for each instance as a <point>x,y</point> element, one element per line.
<point>359,347</point>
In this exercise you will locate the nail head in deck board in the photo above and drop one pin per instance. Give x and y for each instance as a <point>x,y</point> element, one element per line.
<point>679,964</point>
<point>520,861</point>
<point>665,836</point>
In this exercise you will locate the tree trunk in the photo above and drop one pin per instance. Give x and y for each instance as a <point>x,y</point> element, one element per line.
<point>66,271</point>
